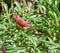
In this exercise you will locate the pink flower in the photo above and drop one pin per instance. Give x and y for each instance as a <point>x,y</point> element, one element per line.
<point>3,50</point>
<point>21,21</point>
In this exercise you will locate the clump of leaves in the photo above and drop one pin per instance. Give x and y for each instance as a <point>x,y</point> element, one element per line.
<point>42,37</point>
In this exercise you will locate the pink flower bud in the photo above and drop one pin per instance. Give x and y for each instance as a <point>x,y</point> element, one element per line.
<point>21,21</point>
<point>3,50</point>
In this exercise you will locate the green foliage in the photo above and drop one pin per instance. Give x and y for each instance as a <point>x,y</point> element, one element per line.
<point>26,40</point>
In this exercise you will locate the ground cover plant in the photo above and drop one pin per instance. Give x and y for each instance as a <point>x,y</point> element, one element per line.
<point>43,34</point>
